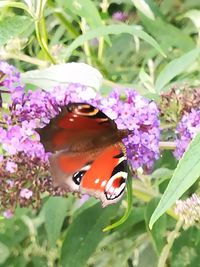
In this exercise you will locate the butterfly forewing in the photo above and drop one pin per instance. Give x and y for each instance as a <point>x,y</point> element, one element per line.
<point>77,128</point>
<point>102,174</point>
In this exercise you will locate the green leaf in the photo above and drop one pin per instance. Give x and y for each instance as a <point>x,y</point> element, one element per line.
<point>186,249</point>
<point>12,27</point>
<point>161,173</point>
<point>84,234</point>
<point>147,256</point>
<point>136,216</point>
<point>39,261</point>
<point>158,231</point>
<point>86,9</point>
<point>14,4</point>
<point>55,212</point>
<point>112,29</point>
<point>14,231</point>
<point>4,253</point>
<point>63,74</point>
<point>194,15</point>
<point>186,173</point>
<point>167,34</point>
<point>175,67</point>
<point>143,7</point>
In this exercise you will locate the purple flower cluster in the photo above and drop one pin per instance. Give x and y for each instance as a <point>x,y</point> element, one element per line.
<point>187,128</point>
<point>10,79</point>
<point>141,117</point>
<point>23,162</point>
<point>21,138</point>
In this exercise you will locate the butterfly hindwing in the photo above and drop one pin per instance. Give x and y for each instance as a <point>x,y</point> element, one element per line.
<point>106,179</point>
<point>102,175</point>
<point>67,169</point>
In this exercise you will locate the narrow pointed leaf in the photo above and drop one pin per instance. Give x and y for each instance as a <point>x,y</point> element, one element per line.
<point>175,67</point>
<point>112,29</point>
<point>186,173</point>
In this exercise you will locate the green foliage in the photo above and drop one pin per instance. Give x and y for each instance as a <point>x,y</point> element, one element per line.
<point>84,234</point>
<point>55,210</point>
<point>168,35</point>
<point>111,29</point>
<point>158,231</point>
<point>4,253</point>
<point>12,27</point>
<point>85,9</point>
<point>186,249</point>
<point>175,67</point>
<point>185,175</point>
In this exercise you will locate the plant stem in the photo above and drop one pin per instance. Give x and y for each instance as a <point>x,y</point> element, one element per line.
<point>170,241</point>
<point>28,59</point>
<point>86,44</point>
<point>167,145</point>
<point>66,23</point>
<point>41,34</point>
<point>100,49</point>
<point>104,7</point>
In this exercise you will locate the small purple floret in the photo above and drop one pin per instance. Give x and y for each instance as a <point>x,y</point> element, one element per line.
<point>187,128</point>
<point>120,16</point>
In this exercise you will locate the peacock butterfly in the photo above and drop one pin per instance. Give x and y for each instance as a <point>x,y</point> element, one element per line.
<point>88,155</point>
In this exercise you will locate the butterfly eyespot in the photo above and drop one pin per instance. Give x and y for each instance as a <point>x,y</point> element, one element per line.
<point>116,186</point>
<point>77,177</point>
<point>118,182</point>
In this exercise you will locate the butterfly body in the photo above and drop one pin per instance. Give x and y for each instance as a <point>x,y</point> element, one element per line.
<point>88,153</point>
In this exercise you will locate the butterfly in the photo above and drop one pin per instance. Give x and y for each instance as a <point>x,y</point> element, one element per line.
<point>88,155</point>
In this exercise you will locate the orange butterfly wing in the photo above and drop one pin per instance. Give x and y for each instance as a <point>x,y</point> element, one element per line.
<point>64,166</point>
<point>106,179</point>
<point>102,175</point>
